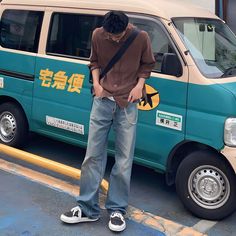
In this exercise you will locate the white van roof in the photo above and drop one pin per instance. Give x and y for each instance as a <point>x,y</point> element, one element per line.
<point>161,8</point>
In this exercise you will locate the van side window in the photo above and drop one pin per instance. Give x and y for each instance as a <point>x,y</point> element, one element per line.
<point>20,29</point>
<point>70,34</point>
<point>160,42</point>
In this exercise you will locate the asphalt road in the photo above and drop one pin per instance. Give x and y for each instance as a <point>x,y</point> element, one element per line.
<point>148,189</point>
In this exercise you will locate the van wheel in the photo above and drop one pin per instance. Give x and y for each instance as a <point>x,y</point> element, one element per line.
<point>13,125</point>
<point>206,185</point>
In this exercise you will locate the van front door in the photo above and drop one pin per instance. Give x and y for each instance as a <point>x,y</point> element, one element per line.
<point>161,123</point>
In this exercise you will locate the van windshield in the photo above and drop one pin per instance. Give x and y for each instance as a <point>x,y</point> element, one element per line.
<point>211,43</point>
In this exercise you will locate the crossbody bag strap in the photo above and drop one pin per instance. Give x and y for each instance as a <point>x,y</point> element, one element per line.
<point>120,52</point>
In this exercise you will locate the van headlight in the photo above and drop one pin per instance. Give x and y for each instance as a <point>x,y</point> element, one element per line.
<point>230,132</point>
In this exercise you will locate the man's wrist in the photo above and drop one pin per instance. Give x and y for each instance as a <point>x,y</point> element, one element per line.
<point>139,86</point>
<point>140,83</point>
<point>96,84</point>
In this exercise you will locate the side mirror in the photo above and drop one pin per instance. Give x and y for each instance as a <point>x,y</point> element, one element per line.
<point>171,65</point>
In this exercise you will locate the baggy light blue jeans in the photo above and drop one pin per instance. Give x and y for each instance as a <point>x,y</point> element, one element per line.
<point>104,114</point>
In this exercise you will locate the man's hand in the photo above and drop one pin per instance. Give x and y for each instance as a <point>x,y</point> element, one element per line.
<point>98,89</point>
<point>135,94</point>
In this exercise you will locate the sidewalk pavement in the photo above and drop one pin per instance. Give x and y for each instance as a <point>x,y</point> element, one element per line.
<point>31,209</point>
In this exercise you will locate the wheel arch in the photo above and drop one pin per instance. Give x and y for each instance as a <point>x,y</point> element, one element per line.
<point>181,151</point>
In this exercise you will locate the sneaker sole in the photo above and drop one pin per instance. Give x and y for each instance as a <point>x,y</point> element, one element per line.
<point>76,220</point>
<point>116,229</point>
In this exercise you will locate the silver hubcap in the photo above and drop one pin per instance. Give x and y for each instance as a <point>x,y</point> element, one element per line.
<point>7,127</point>
<point>209,187</point>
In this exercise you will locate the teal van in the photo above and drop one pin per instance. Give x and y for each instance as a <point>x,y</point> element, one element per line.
<point>186,129</point>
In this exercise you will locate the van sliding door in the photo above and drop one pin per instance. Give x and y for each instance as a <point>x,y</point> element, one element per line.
<point>62,89</point>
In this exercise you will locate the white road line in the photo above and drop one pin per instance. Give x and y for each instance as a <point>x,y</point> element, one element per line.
<point>204,225</point>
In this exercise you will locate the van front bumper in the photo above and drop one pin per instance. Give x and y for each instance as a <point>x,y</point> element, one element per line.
<point>230,154</point>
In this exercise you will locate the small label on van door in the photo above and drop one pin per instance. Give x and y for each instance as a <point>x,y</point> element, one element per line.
<point>169,120</point>
<point>1,82</point>
<point>64,124</point>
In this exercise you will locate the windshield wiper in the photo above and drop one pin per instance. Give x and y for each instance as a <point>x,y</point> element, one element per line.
<point>229,72</point>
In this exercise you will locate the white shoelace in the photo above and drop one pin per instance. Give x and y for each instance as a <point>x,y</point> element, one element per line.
<point>117,214</point>
<point>75,209</point>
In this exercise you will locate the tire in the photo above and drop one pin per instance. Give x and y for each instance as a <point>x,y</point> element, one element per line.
<point>13,125</point>
<point>205,183</point>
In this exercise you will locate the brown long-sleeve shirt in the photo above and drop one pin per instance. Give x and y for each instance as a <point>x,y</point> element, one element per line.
<point>137,62</point>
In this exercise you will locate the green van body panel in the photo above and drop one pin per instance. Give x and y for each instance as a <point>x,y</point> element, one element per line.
<point>208,108</point>
<point>231,87</point>
<point>23,63</point>
<point>70,106</point>
<point>19,89</point>
<point>155,142</point>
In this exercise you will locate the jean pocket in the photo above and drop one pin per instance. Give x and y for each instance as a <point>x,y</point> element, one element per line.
<point>131,113</point>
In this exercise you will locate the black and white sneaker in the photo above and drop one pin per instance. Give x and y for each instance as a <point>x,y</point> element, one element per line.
<point>117,222</point>
<point>75,215</point>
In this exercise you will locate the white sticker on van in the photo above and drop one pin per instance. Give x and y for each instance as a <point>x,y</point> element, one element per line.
<point>64,124</point>
<point>169,120</point>
<point>1,82</point>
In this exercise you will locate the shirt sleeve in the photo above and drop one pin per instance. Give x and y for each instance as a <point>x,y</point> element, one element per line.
<point>93,56</point>
<point>147,62</point>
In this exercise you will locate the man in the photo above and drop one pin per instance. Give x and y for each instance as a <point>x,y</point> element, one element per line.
<point>115,104</point>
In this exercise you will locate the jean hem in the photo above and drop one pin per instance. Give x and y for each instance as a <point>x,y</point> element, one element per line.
<point>87,212</point>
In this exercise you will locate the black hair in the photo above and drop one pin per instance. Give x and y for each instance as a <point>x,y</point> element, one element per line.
<point>115,22</point>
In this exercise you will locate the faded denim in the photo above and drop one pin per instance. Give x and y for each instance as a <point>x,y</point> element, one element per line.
<point>106,113</point>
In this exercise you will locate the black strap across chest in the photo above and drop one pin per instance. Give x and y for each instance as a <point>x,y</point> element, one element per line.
<point>119,53</point>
